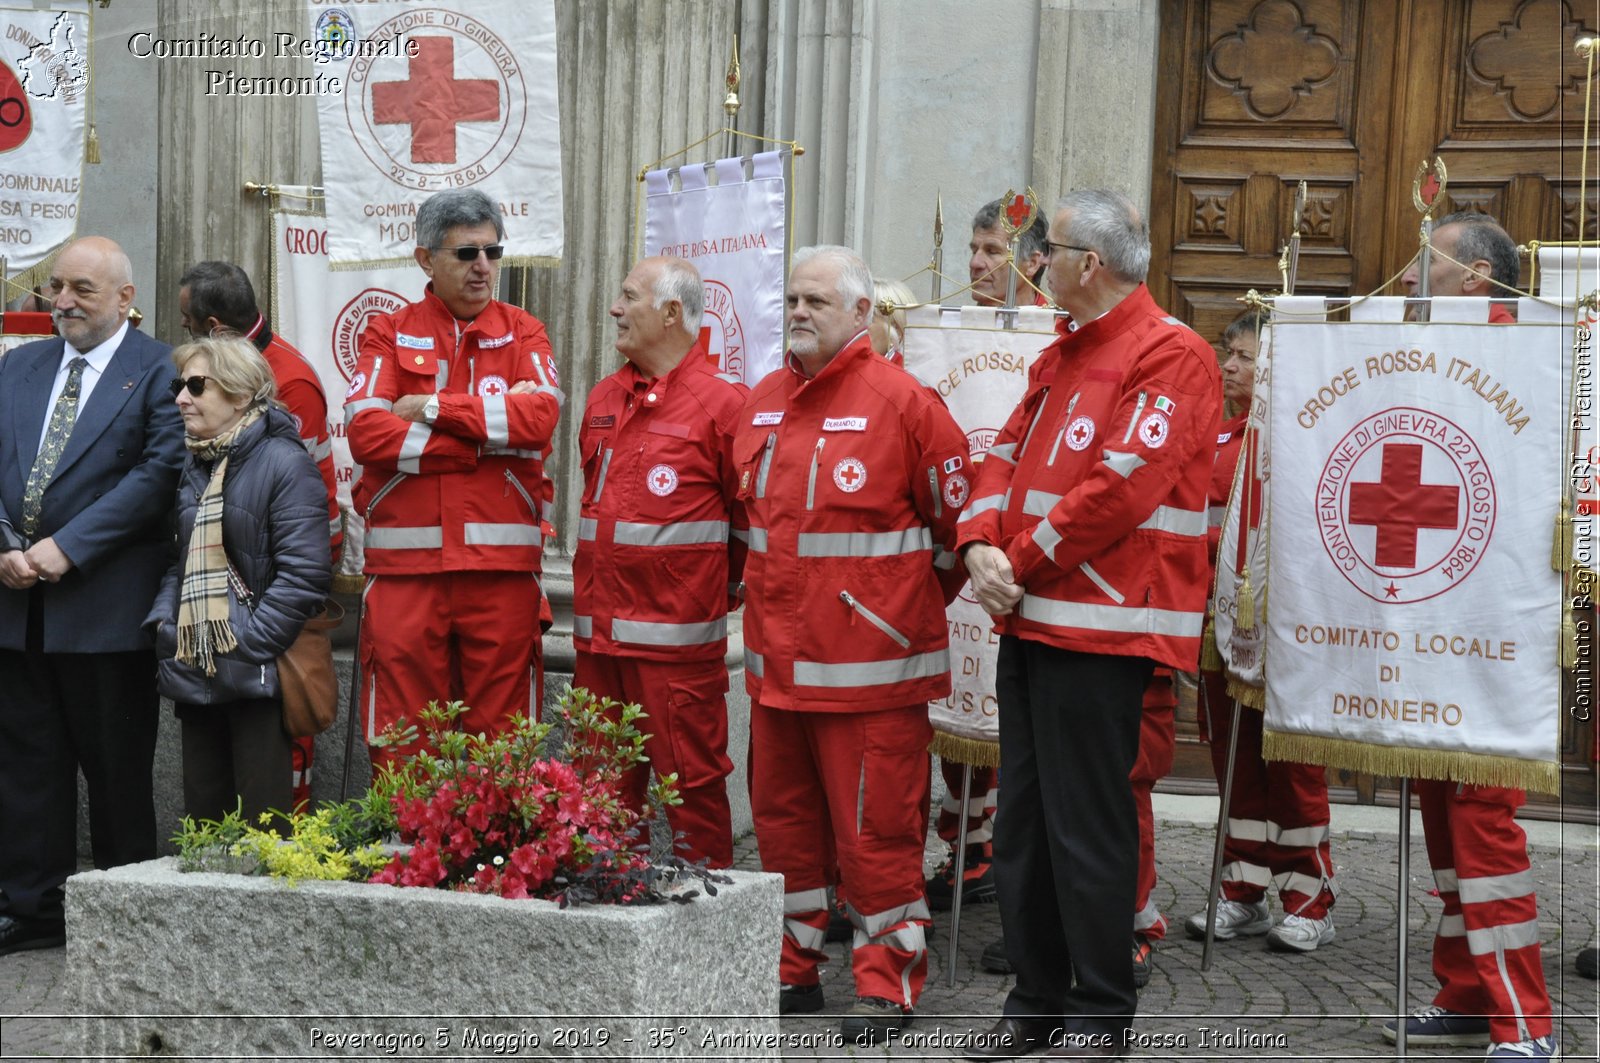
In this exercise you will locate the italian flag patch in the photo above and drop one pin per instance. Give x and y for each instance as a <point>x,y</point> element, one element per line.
<point>1165,405</point>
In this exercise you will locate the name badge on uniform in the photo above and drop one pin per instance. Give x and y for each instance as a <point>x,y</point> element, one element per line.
<point>844,424</point>
<point>768,417</point>
<point>415,343</point>
<point>501,341</point>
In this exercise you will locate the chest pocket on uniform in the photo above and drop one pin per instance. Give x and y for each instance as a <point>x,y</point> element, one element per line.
<point>752,456</point>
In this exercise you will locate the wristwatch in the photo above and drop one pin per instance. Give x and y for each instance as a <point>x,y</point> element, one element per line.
<point>430,409</point>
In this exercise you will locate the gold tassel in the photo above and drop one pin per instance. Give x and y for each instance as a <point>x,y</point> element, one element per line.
<point>1210,653</point>
<point>1561,544</point>
<point>1569,638</point>
<point>91,150</point>
<point>1247,602</point>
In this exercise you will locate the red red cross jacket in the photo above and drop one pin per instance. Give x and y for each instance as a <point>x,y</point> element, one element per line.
<point>852,481</point>
<point>1096,487</point>
<point>654,563</point>
<point>301,392</point>
<point>463,493</point>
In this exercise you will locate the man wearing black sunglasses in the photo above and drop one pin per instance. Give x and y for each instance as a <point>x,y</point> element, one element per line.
<point>453,487</point>
<point>90,446</point>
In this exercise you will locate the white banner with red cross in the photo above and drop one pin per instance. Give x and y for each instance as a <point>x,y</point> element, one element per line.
<point>980,369</point>
<point>436,96</point>
<point>322,312</point>
<point>732,230</point>
<point>1414,619</point>
<point>44,85</point>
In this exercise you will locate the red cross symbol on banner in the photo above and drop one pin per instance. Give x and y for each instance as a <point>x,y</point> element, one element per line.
<point>849,475</point>
<point>1017,211</point>
<point>433,102</point>
<point>1400,504</point>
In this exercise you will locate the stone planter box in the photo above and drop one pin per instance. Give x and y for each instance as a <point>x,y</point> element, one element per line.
<point>198,965</point>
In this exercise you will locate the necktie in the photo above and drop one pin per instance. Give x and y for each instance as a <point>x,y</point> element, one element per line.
<point>55,441</point>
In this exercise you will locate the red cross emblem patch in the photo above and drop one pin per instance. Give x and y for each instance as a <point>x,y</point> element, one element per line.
<point>956,490</point>
<point>1154,429</point>
<point>662,480</point>
<point>1080,433</point>
<point>850,475</point>
<point>492,386</point>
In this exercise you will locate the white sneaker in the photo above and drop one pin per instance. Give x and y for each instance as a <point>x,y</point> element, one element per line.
<point>1233,918</point>
<point>1298,934</point>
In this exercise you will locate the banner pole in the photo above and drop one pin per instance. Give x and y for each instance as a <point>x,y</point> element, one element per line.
<point>1403,910</point>
<point>938,247</point>
<point>730,103</point>
<point>961,875</point>
<point>1222,828</point>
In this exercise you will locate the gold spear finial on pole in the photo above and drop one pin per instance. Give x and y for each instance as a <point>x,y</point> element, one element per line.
<point>730,102</point>
<point>938,246</point>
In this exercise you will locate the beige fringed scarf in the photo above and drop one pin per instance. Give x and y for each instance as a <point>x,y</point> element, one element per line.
<point>203,628</point>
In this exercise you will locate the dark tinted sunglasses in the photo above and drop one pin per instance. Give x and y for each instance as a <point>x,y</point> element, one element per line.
<point>469,252</point>
<point>196,385</point>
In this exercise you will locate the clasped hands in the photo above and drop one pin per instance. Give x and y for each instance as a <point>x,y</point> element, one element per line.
<point>993,580</point>
<point>44,560</point>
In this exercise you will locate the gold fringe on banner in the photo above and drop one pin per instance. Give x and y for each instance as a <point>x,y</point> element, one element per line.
<point>1246,614</point>
<point>91,147</point>
<point>1210,656</point>
<point>1404,762</point>
<point>1248,696</point>
<point>975,751</point>
<point>1568,653</point>
<point>23,283</point>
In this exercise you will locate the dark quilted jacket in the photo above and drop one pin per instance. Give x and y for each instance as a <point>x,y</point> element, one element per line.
<point>275,529</point>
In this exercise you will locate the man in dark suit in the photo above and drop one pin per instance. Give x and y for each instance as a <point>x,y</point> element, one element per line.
<point>90,447</point>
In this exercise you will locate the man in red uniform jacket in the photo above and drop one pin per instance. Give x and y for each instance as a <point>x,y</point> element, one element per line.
<point>1086,539</point>
<point>216,297</point>
<point>852,474</point>
<point>1486,951</point>
<point>452,482</point>
<point>652,573</point>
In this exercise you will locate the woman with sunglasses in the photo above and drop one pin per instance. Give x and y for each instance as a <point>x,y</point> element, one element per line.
<point>252,568</point>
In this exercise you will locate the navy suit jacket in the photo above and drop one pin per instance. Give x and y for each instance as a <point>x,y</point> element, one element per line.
<point>110,501</point>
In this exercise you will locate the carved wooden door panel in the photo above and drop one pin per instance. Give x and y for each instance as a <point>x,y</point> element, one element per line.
<point>1350,95</point>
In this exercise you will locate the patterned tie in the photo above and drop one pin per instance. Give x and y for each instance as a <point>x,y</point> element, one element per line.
<point>55,441</point>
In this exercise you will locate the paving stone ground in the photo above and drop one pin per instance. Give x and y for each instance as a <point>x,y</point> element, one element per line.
<point>1252,1003</point>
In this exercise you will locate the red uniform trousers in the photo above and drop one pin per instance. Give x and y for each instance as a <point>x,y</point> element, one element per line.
<point>1157,736</point>
<point>472,636</point>
<point>1486,953</point>
<point>1277,819</point>
<point>846,794</point>
<point>687,724</point>
<point>980,805</point>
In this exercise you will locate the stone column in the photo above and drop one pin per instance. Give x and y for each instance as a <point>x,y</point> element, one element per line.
<point>1095,97</point>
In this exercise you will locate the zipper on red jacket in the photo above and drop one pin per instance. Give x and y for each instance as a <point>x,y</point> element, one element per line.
<point>516,486</point>
<point>1066,419</point>
<point>811,481</point>
<point>1022,444</point>
<point>1138,408</point>
<point>372,507</point>
<point>933,485</point>
<point>766,464</point>
<point>600,481</point>
<point>874,619</point>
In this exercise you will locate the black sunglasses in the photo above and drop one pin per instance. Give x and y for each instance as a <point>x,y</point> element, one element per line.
<point>1052,245</point>
<point>469,252</point>
<point>196,385</point>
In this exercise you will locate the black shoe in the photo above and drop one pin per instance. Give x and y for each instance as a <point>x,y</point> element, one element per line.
<point>795,999</point>
<point>840,928</point>
<point>1588,962</point>
<point>18,933</point>
<point>1141,960</point>
<point>873,1020</point>
<point>1012,1037</point>
<point>994,958</point>
<point>978,887</point>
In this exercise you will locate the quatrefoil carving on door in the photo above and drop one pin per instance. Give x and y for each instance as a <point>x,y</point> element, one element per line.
<point>1274,60</point>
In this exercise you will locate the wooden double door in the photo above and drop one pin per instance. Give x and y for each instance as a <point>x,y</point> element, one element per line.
<point>1350,96</point>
